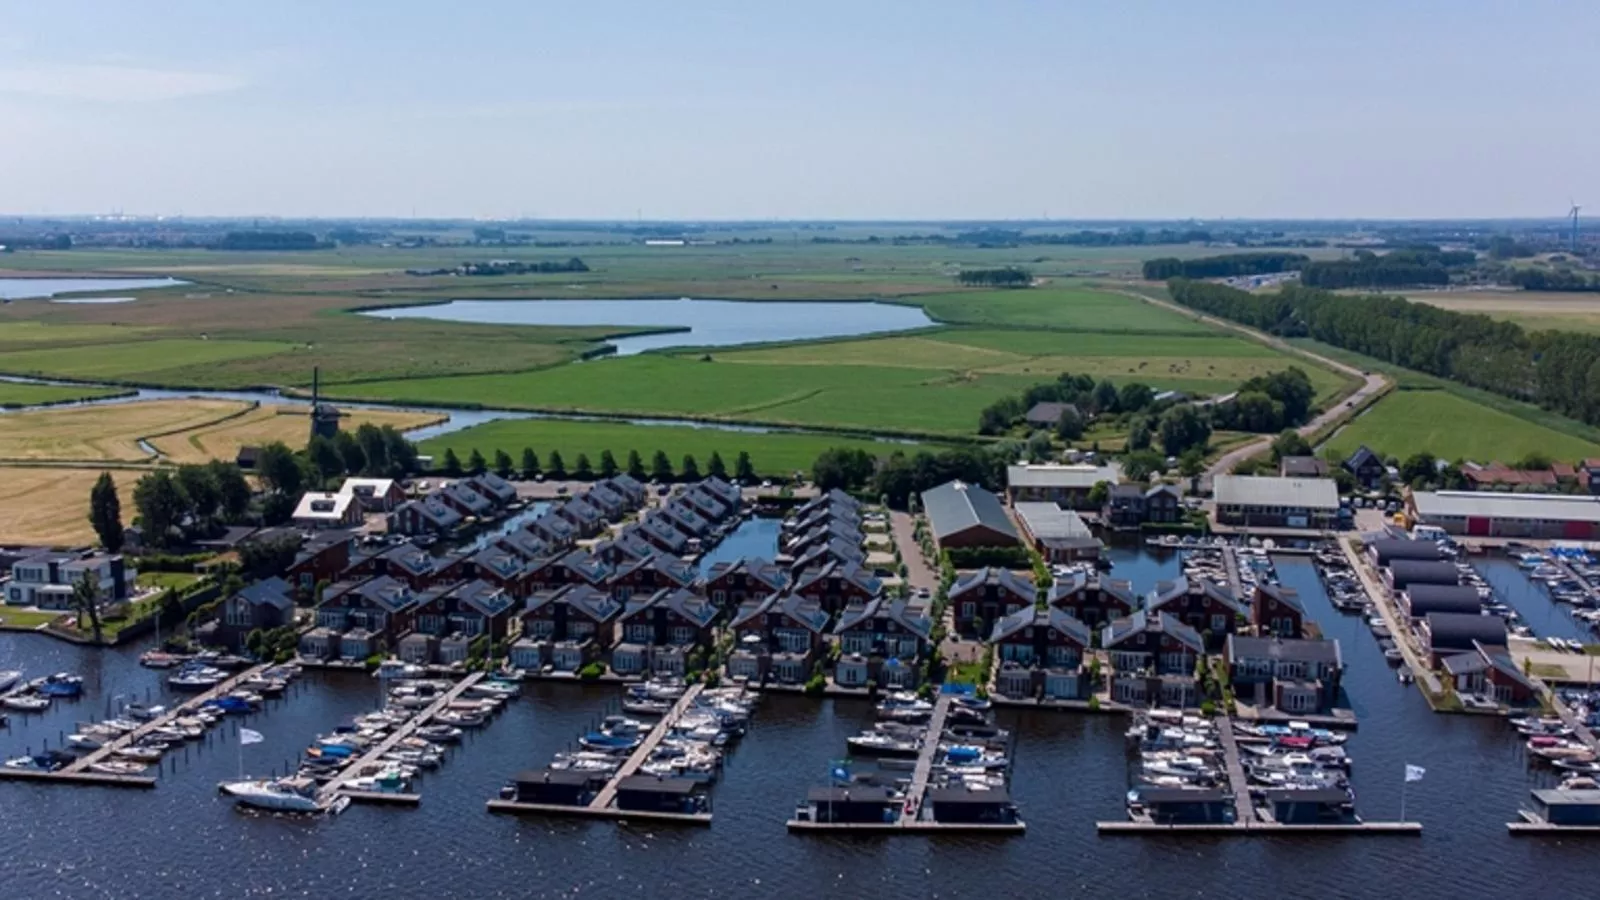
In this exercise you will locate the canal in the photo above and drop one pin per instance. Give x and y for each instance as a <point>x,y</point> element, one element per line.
<point>182,839</point>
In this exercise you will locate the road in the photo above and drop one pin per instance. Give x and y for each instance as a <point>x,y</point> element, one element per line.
<point>921,575</point>
<point>1372,383</point>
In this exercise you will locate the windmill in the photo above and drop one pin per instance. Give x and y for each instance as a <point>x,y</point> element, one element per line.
<point>1574,215</point>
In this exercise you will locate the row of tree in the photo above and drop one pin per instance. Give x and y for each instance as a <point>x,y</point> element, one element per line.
<point>554,466</point>
<point>1539,279</point>
<point>1083,392</point>
<point>1267,403</point>
<point>173,505</point>
<point>371,450</point>
<point>1228,265</point>
<point>1422,265</point>
<point>1557,370</point>
<point>1008,276</point>
<point>270,240</point>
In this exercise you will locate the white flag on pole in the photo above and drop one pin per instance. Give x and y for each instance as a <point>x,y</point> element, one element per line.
<point>249,736</point>
<point>1414,773</point>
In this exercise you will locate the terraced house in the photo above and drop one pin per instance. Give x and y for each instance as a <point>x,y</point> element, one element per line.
<point>660,631</point>
<point>426,516</point>
<point>649,575</point>
<point>1092,600</point>
<point>779,637</point>
<point>1153,659</point>
<point>1040,653</point>
<point>982,598</point>
<point>566,628</point>
<point>882,641</point>
<point>1205,606</point>
<point>731,583</point>
<point>1294,676</point>
<point>835,585</point>
<point>358,619</point>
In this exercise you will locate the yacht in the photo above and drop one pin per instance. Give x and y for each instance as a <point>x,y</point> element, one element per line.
<point>26,703</point>
<point>196,679</point>
<point>118,767</point>
<point>880,744</point>
<point>144,712</point>
<point>81,741</point>
<point>9,679</point>
<point>158,659</point>
<point>280,795</point>
<point>61,685</point>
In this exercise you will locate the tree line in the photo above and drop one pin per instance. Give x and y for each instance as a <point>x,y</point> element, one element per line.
<point>173,505</point>
<point>898,476</point>
<point>1422,265</point>
<point>1008,276</point>
<point>1553,280</point>
<point>1086,395</point>
<point>1557,370</point>
<point>1267,403</point>
<point>270,240</point>
<point>371,450</point>
<point>583,469</point>
<point>1229,265</point>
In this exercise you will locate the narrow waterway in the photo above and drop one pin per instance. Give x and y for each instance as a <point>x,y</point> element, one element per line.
<point>1512,586</point>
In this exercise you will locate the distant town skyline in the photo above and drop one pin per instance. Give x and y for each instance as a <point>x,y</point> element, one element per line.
<point>612,111</point>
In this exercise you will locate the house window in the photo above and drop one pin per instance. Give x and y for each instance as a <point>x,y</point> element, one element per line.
<point>636,634</point>
<point>683,634</point>
<point>1219,624</point>
<point>969,610</point>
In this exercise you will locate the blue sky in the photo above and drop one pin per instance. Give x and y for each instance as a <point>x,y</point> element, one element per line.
<point>866,109</point>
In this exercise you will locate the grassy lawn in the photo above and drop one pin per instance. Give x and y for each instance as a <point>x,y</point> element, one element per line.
<point>965,673</point>
<point>772,454</point>
<point>111,432</point>
<point>166,580</point>
<point>1063,309</point>
<point>19,335</point>
<point>51,506</point>
<point>13,394</point>
<point>133,360</point>
<point>1449,426</point>
<point>15,618</point>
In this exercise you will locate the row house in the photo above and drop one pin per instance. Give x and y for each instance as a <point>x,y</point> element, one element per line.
<point>984,597</point>
<point>359,618</point>
<point>575,567</point>
<point>506,570</point>
<point>449,619</point>
<point>1205,606</point>
<point>1491,671</point>
<point>379,494</point>
<point>408,563</point>
<point>1128,506</point>
<point>1277,611</point>
<point>778,637</point>
<point>660,533</point>
<point>834,552</point>
<point>822,534</point>
<point>524,544</point>
<point>660,631</point>
<point>1292,675</point>
<point>263,605</point>
<point>588,519</point>
<point>566,628</point>
<point>321,559</point>
<point>556,532</point>
<point>1092,599</point>
<point>649,575</point>
<point>633,492</point>
<point>801,521</point>
<point>834,500</point>
<point>709,504</point>
<point>1040,653</point>
<point>836,585</point>
<point>604,498</point>
<point>429,515</point>
<point>1152,641</point>
<point>493,488</point>
<point>625,547</point>
<point>732,582</point>
<point>883,641</point>
<point>686,519</point>
<point>464,500</point>
<point>728,493</point>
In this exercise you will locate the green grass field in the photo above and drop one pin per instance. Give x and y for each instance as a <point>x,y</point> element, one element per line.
<point>1449,426</point>
<point>134,360</point>
<point>13,394</point>
<point>771,453</point>
<point>1057,308</point>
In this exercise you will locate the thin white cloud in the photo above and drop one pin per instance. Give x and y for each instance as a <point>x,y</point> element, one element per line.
<point>114,84</point>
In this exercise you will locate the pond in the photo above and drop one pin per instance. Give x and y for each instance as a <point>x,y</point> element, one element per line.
<point>697,323</point>
<point>41,288</point>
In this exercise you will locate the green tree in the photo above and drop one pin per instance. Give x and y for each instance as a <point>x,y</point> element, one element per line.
<point>661,466</point>
<point>279,470</point>
<point>690,470</point>
<point>1183,427</point>
<point>105,513</point>
<point>200,493</point>
<point>1139,436</point>
<point>451,464</point>
<point>1138,466</point>
<point>1289,443</point>
<point>557,467</point>
<point>715,467</point>
<point>846,468</point>
<point>350,453</point>
<point>608,464</point>
<point>1070,426</point>
<point>502,464</point>
<point>530,463</point>
<point>86,600</point>
<point>743,469</point>
<point>1105,397</point>
<point>374,449</point>
<point>635,466</point>
<point>1099,494</point>
<point>1419,466</point>
<point>1039,447</point>
<point>233,491</point>
<point>160,506</point>
<point>325,461</point>
<point>583,471</point>
<point>1134,397</point>
<point>1192,462</point>
<point>476,464</point>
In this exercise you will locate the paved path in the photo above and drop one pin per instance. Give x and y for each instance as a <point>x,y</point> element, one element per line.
<point>332,788</point>
<point>924,769</point>
<point>1372,383</point>
<point>608,793</point>
<point>177,712</point>
<point>1399,629</point>
<point>1244,812</point>
<point>1230,561</point>
<point>918,573</point>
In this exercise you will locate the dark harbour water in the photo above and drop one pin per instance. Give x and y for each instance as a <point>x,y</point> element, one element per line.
<point>182,840</point>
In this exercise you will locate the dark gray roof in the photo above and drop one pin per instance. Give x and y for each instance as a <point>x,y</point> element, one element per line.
<point>956,506</point>
<point>1302,467</point>
<point>1048,413</point>
<point>1004,579</point>
<point>858,793</point>
<point>1391,550</point>
<point>961,795</point>
<point>650,784</point>
<point>1286,595</point>
<point>1182,795</point>
<point>1405,572</point>
<point>1451,598</point>
<point>1059,619</point>
<point>271,592</point>
<point>1458,631</point>
<point>1120,630</point>
<point>1296,649</point>
<point>1465,663</point>
<point>1297,795</point>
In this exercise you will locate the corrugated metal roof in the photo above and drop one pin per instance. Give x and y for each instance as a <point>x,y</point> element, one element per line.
<point>956,506</point>
<point>1499,505</point>
<point>1057,476</point>
<point>1047,520</point>
<point>1257,490</point>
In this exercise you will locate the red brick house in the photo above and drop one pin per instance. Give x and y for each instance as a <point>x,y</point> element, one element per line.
<point>1093,601</point>
<point>729,584</point>
<point>1205,606</point>
<point>1039,653</point>
<point>319,561</point>
<point>1277,611</point>
<point>836,585</point>
<point>982,598</point>
<point>779,637</point>
<point>651,574</point>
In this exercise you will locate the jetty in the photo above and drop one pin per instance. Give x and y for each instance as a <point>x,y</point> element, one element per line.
<point>1244,811</point>
<point>1230,563</point>
<point>1259,829</point>
<point>1399,629</point>
<point>603,805</point>
<point>77,772</point>
<point>336,788</point>
<point>924,769</point>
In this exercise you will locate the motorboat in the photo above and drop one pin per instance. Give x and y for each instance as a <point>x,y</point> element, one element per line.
<point>118,767</point>
<point>390,781</point>
<point>61,684</point>
<point>194,679</point>
<point>602,742</point>
<point>9,679</point>
<point>43,762</point>
<point>158,659</point>
<point>278,795</point>
<point>140,752</point>
<point>26,703</point>
<point>622,726</point>
<point>460,719</point>
<point>144,712</point>
<point>394,668</point>
<point>79,741</point>
<point>1581,766</point>
<point>495,688</point>
<point>439,734</point>
<point>646,707</point>
<point>875,743</point>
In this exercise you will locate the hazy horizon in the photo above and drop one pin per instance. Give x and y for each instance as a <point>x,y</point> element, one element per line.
<point>715,112</point>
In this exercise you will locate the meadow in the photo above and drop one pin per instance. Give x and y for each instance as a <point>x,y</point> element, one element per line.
<point>772,453</point>
<point>14,394</point>
<point>1452,427</point>
<point>50,506</point>
<point>265,424</point>
<point>108,433</point>
<point>1534,310</point>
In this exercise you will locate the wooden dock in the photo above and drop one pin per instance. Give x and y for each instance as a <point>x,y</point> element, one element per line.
<point>1533,825</point>
<point>1399,628</point>
<point>608,794</point>
<point>188,707</point>
<point>86,779</point>
<point>589,812</point>
<point>336,787</point>
<point>1261,829</point>
<point>1244,811</point>
<point>1230,563</point>
<point>924,769</point>
<point>923,826</point>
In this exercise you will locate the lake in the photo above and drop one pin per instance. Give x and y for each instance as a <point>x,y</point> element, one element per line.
<point>706,323</point>
<point>41,288</point>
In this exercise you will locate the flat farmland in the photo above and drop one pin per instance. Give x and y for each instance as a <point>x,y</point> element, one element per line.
<point>1534,310</point>
<point>50,507</point>
<point>134,360</point>
<point>105,433</point>
<point>265,424</point>
<point>1453,427</point>
<point>771,453</point>
<point>14,394</point>
<point>1068,309</point>
<point>28,335</point>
